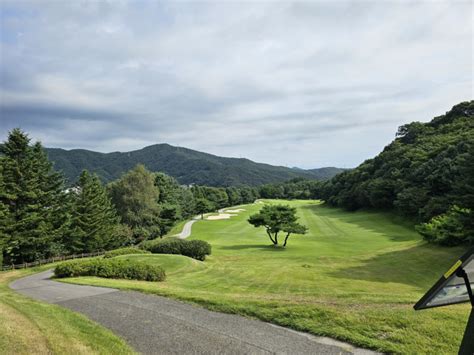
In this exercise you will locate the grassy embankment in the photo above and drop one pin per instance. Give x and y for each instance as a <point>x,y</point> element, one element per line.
<point>354,276</point>
<point>31,327</point>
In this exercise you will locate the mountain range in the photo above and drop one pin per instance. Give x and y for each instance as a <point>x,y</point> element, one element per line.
<point>186,165</point>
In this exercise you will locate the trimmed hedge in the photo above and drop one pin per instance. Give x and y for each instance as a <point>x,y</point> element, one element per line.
<point>124,251</point>
<point>111,268</point>
<point>165,246</point>
<point>196,249</point>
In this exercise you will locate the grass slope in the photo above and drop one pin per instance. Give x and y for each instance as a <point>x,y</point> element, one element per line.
<point>31,327</point>
<point>354,276</point>
<point>171,263</point>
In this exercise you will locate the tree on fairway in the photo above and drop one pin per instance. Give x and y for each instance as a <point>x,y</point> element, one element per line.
<point>94,219</point>
<point>203,206</point>
<point>276,219</point>
<point>293,228</point>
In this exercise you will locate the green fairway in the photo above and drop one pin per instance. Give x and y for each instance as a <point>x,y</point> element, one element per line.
<point>31,327</point>
<point>354,276</point>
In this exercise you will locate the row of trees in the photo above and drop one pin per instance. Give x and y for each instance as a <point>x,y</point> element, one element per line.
<point>151,203</point>
<point>40,217</point>
<point>298,188</point>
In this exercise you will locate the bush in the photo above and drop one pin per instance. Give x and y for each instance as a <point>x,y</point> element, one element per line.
<point>448,228</point>
<point>124,251</point>
<point>111,268</point>
<point>197,249</point>
<point>165,246</point>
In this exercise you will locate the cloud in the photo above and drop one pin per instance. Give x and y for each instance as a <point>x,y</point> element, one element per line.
<point>292,83</point>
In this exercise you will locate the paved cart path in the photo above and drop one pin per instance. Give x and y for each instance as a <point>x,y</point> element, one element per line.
<point>186,232</point>
<point>159,325</point>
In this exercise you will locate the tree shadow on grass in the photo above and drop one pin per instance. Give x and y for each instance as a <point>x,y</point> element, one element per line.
<point>418,266</point>
<point>396,228</point>
<point>253,246</point>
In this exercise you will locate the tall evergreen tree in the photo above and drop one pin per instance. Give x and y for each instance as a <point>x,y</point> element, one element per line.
<point>5,217</point>
<point>30,200</point>
<point>53,195</point>
<point>94,219</point>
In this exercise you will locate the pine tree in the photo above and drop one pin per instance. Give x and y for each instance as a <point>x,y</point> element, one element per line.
<point>26,229</point>
<point>94,219</point>
<point>30,198</point>
<point>5,218</point>
<point>53,196</point>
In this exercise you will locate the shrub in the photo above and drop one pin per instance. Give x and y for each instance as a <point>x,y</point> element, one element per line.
<point>448,228</point>
<point>165,246</point>
<point>111,268</point>
<point>124,251</point>
<point>197,249</point>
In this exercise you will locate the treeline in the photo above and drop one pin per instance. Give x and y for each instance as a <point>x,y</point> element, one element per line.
<point>294,189</point>
<point>41,218</point>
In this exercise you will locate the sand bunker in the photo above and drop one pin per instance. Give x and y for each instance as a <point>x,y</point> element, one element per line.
<point>225,214</point>
<point>220,216</point>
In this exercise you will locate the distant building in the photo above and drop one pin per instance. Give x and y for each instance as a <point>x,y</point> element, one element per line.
<point>76,190</point>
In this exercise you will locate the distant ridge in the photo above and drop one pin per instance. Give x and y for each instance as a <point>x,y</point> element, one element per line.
<point>186,165</point>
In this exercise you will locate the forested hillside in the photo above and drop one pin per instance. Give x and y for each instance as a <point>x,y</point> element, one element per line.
<point>427,173</point>
<point>186,165</point>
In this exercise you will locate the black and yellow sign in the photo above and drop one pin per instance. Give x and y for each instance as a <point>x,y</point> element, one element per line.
<point>455,286</point>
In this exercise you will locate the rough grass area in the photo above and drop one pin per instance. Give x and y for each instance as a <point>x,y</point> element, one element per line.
<point>31,327</point>
<point>354,276</point>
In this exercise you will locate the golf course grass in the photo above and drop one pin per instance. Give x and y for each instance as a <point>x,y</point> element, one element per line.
<point>171,263</point>
<point>354,276</point>
<point>31,327</point>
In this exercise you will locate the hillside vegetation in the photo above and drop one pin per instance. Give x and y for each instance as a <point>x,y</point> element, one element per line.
<point>426,172</point>
<point>186,165</point>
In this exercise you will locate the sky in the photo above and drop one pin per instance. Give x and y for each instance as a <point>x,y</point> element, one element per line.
<point>306,84</point>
